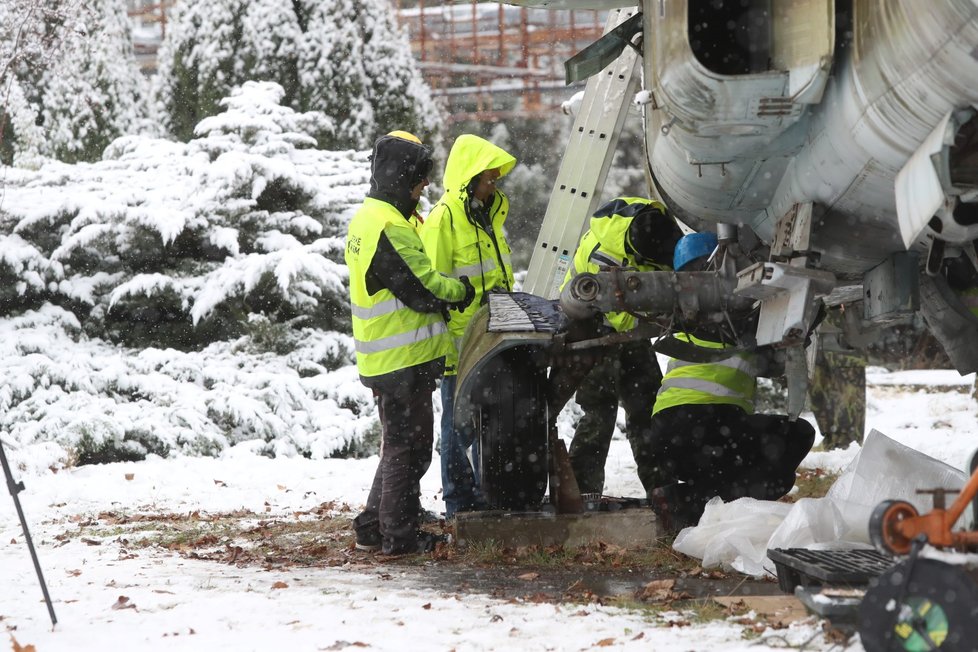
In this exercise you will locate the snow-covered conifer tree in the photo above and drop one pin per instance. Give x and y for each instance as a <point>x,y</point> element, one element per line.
<point>400,97</point>
<point>94,92</point>
<point>333,72</point>
<point>32,36</point>
<point>185,297</point>
<point>345,58</point>
<point>213,46</point>
<point>69,78</point>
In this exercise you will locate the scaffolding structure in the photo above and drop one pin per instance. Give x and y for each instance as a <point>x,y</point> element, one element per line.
<point>489,61</point>
<point>484,60</point>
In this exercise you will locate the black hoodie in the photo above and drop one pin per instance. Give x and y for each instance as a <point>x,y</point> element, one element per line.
<point>397,166</point>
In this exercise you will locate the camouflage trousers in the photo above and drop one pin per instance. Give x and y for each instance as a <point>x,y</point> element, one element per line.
<point>628,373</point>
<point>838,398</point>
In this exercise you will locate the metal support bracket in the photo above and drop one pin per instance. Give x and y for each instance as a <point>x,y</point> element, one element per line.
<point>789,297</point>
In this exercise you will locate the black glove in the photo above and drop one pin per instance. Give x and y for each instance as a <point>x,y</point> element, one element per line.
<point>469,295</point>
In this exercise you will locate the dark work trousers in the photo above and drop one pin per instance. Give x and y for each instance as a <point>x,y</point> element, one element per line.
<point>394,503</point>
<point>720,450</point>
<point>460,483</point>
<point>628,373</point>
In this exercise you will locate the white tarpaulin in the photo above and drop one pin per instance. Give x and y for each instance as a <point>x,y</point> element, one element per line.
<point>738,534</point>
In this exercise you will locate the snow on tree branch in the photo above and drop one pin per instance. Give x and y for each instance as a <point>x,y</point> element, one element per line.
<point>218,262</point>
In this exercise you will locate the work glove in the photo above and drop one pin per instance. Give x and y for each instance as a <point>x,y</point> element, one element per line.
<point>469,295</point>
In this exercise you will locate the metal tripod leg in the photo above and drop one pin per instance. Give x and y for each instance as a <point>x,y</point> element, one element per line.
<point>15,488</point>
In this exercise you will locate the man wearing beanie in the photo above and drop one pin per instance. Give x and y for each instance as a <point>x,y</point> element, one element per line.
<point>636,233</point>
<point>465,236</point>
<point>397,301</point>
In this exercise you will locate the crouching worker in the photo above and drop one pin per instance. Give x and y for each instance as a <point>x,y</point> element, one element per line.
<point>398,302</point>
<point>704,430</point>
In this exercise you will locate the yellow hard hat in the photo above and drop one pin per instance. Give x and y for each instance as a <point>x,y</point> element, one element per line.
<point>404,135</point>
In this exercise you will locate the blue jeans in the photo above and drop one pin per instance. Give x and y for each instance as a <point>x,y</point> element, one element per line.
<point>460,484</point>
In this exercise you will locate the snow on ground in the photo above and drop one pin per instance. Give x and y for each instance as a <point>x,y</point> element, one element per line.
<point>152,599</point>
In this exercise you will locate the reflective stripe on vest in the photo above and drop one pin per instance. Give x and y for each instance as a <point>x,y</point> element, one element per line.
<point>378,309</point>
<point>700,385</point>
<point>599,258</point>
<point>388,334</point>
<point>402,339</point>
<point>478,269</point>
<point>735,362</point>
<point>731,381</point>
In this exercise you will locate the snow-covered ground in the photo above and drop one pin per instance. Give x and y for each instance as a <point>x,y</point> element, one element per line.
<point>108,596</point>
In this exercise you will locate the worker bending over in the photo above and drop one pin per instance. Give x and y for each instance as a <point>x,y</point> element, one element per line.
<point>635,233</point>
<point>706,439</point>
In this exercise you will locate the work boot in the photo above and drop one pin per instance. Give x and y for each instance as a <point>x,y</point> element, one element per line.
<point>673,508</point>
<point>368,540</point>
<point>424,542</point>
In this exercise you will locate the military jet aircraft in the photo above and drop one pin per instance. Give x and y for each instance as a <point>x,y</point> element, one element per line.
<point>832,144</point>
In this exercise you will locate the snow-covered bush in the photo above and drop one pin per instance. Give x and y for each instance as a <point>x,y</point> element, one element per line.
<point>174,244</point>
<point>216,265</point>
<point>100,403</point>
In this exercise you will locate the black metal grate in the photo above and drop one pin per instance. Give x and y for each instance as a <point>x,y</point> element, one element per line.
<point>801,566</point>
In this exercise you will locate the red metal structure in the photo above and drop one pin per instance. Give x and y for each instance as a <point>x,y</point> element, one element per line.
<point>485,60</point>
<point>491,61</point>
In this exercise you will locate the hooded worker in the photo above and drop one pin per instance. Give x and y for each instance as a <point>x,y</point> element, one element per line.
<point>635,233</point>
<point>464,234</point>
<point>397,302</point>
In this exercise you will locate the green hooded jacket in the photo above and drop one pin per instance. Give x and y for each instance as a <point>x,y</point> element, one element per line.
<point>457,243</point>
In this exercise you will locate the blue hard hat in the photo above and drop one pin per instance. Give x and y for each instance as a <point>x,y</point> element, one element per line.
<point>692,246</point>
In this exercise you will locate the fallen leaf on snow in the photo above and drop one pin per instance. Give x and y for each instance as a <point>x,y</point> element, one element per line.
<point>220,483</point>
<point>342,645</point>
<point>280,585</point>
<point>123,603</point>
<point>130,476</point>
<point>426,605</point>
<point>21,648</point>
<point>605,642</point>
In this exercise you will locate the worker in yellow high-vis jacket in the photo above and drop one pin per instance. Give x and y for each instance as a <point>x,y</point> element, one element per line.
<point>635,233</point>
<point>398,303</point>
<point>706,439</point>
<point>464,234</point>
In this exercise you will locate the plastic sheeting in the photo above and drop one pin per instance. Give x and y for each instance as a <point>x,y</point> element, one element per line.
<point>738,534</point>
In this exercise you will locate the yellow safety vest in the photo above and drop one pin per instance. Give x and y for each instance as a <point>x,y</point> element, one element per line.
<point>456,245</point>
<point>731,381</point>
<point>388,334</point>
<point>603,245</point>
